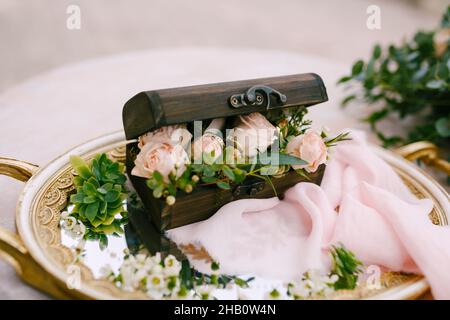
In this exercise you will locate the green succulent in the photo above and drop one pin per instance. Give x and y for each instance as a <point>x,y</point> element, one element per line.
<point>100,192</point>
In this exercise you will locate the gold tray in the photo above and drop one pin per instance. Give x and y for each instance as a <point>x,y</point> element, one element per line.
<point>43,259</point>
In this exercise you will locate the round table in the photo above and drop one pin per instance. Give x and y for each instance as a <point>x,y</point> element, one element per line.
<point>50,113</point>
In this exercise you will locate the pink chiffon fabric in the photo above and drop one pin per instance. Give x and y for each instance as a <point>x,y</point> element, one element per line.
<point>361,203</point>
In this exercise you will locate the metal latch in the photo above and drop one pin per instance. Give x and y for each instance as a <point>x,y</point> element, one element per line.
<point>257,96</point>
<point>248,189</point>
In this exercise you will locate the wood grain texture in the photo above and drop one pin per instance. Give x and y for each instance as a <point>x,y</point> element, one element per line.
<point>149,110</point>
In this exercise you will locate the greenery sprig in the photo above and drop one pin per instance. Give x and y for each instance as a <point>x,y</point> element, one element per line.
<point>408,80</point>
<point>100,192</point>
<point>220,172</point>
<point>226,171</point>
<point>346,266</point>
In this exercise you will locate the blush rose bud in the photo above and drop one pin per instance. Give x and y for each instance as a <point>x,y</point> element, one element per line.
<point>188,188</point>
<point>157,193</point>
<point>170,200</point>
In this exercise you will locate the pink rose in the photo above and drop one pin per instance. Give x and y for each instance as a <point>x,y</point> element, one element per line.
<point>166,158</point>
<point>176,134</point>
<point>209,144</point>
<point>253,134</point>
<point>309,147</point>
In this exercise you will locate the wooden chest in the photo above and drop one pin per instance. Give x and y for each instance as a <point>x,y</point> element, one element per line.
<point>151,110</point>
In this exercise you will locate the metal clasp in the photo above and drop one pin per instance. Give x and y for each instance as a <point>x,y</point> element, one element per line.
<point>257,96</point>
<point>248,189</point>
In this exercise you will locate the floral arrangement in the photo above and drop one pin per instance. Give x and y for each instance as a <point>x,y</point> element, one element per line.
<point>171,163</point>
<point>410,80</point>
<point>169,278</point>
<point>97,207</point>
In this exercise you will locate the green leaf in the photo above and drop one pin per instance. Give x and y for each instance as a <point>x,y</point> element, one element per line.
<point>208,171</point>
<point>112,196</point>
<point>241,283</point>
<point>209,179</point>
<point>103,242</point>
<point>443,127</point>
<point>186,274</point>
<point>80,167</point>
<point>158,176</point>
<point>91,211</point>
<point>376,52</point>
<point>89,199</point>
<point>228,172</point>
<point>344,79</point>
<point>89,189</point>
<point>223,185</point>
<point>79,197</point>
<point>287,159</point>
<point>346,100</point>
<point>376,116</point>
<point>346,266</point>
<point>172,189</point>
<point>357,67</point>
<point>436,84</point>
<point>78,181</point>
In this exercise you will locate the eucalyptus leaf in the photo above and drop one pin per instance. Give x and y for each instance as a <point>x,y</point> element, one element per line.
<point>280,159</point>
<point>223,185</point>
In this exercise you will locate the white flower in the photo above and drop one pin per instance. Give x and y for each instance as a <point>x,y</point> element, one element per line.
<point>140,275</point>
<point>205,291</point>
<point>182,294</point>
<point>68,223</point>
<point>140,258</point>
<point>79,229</point>
<point>300,291</point>
<point>127,273</point>
<point>172,266</point>
<point>156,258</point>
<point>157,269</point>
<point>64,215</point>
<point>155,294</point>
<point>156,282</point>
<point>106,271</point>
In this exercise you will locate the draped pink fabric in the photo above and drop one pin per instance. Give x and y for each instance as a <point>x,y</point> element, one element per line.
<point>361,203</point>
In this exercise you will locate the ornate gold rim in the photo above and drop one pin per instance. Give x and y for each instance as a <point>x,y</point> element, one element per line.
<point>45,215</point>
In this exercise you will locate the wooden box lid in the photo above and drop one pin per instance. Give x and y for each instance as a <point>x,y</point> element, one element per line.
<point>150,110</point>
